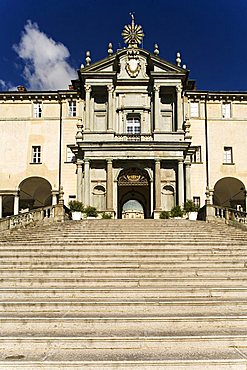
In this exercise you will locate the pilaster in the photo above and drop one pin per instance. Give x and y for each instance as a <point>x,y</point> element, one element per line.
<point>156,108</point>
<point>88,90</point>
<point>79,181</point>
<point>179,108</point>
<point>180,182</point>
<point>86,182</point>
<point>109,186</point>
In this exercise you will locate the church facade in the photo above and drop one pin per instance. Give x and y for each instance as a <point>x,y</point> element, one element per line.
<point>130,135</point>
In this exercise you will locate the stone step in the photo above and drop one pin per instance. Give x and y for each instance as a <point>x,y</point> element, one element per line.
<point>71,282</point>
<point>195,363</point>
<point>121,349</point>
<point>127,327</point>
<point>123,308</point>
<point>121,265</point>
<point>127,294</point>
<point>125,272</point>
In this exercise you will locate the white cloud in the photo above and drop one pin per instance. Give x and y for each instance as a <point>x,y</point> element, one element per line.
<point>6,85</point>
<point>46,66</point>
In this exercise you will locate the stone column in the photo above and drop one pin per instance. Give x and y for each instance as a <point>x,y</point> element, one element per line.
<point>188,181</point>
<point>86,182</point>
<point>109,186</point>
<point>157,186</point>
<point>88,90</point>
<point>156,108</point>
<point>1,206</point>
<point>16,204</point>
<point>54,197</point>
<point>79,181</point>
<point>110,107</point>
<point>179,108</point>
<point>181,182</point>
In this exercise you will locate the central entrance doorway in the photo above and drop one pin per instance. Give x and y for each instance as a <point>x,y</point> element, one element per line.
<point>133,194</point>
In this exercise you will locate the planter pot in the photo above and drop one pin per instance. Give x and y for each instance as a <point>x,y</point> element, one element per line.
<point>193,216</point>
<point>76,215</point>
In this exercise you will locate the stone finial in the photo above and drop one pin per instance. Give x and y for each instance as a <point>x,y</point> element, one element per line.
<point>156,50</point>
<point>178,59</point>
<point>88,59</point>
<point>184,66</point>
<point>110,50</point>
<point>132,33</point>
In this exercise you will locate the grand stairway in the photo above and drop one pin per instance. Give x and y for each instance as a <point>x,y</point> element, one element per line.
<point>124,294</point>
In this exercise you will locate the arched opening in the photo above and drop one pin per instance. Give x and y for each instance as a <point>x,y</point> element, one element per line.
<point>230,192</point>
<point>133,194</point>
<point>35,192</point>
<point>132,209</point>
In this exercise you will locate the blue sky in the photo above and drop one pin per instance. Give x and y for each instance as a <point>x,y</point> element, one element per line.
<point>52,36</point>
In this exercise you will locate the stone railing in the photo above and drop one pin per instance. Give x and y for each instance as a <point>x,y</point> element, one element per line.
<point>230,216</point>
<point>47,214</point>
<point>134,137</point>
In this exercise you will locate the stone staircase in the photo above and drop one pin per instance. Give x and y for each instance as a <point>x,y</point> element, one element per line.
<point>124,294</point>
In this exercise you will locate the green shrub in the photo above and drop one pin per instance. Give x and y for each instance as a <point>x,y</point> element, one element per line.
<point>106,216</point>
<point>189,206</point>
<point>76,206</point>
<point>164,215</point>
<point>91,211</point>
<point>176,212</point>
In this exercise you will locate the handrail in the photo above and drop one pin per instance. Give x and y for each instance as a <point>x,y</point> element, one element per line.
<point>230,216</point>
<point>54,213</point>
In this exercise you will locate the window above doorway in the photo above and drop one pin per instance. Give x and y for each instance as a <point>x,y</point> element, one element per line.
<point>133,124</point>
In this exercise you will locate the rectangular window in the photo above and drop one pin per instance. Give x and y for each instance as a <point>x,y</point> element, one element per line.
<point>36,154</point>
<point>226,110</point>
<point>69,155</point>
<point>37,110</point>
<point>228,154</point>
<point>194,109</point>
<point>133,125</point>
<point>197,202</point>
<point>72,109</point>
<point>197,157</point>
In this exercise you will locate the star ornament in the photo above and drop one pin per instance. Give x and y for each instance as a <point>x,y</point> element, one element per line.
<point>132,34</point>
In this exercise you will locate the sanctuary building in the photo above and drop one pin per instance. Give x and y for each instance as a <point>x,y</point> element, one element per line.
<point>131,136</point>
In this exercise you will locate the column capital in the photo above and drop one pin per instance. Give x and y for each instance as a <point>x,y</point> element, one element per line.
<point>109,160</point>
<point>156,87</point>
<point>88,87</point>
<point>110,87</point>
<point>86,160</point>
<point>180,161</point>
<point>179,88</point>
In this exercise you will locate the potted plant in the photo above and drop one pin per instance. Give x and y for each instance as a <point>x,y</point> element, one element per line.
<point>106,216</point>
<point>76,208</point>
<point>177,212</point>
<point>164,215</point>
<point>91,212</point>
<point>191,209</point>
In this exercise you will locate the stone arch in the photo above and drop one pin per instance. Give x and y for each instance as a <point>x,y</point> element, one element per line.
<point>168,197</point>
<point>230,192</point>
<point>134,186</point>
<point>35,192</point>
<point>99,197</point>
